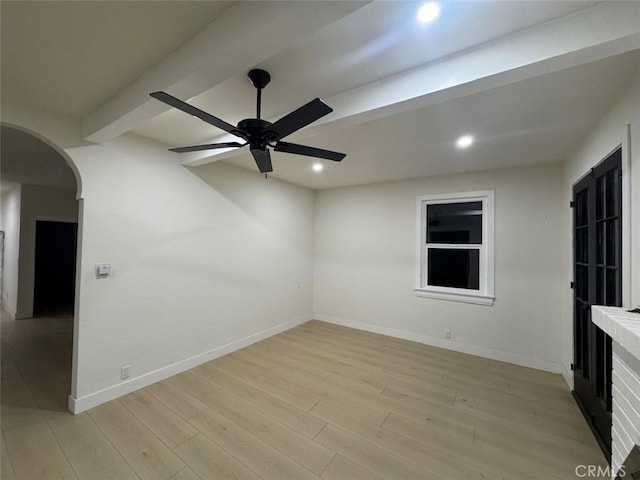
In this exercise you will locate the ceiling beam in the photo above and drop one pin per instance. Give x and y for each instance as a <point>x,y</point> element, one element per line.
<point>242,37</point>
<point>588,35</point>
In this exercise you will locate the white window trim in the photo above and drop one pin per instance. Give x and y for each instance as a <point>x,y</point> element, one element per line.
<point>483,296</point>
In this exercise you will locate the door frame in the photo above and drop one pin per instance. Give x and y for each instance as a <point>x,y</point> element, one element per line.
<point>623,142</point>
<point>2,238</point>
<point>31,254</point>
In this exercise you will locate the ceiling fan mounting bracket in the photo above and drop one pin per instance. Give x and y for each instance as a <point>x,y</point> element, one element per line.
<point>259,78</point>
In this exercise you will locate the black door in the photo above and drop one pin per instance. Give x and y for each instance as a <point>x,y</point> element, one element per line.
<point>55,268</point>
<point>597,201</point>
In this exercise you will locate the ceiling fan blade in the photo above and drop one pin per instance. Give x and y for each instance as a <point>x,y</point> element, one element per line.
<point>309,151</point>
<point>208,146</point>
<point>299,118</point>
<point>196,112</point>
<point>263,160</point>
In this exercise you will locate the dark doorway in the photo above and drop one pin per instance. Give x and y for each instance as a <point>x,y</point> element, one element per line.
<point>597,201</point>
<point>55,268</point>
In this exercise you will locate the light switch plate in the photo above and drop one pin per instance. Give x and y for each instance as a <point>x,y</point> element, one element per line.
<point>103,270</point>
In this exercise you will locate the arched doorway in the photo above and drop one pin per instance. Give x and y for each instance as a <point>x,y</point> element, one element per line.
<point>40,219</point>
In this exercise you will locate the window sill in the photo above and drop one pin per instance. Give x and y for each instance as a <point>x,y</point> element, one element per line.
<point>475,298</point>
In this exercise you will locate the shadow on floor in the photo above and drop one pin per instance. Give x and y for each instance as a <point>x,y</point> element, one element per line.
<point>35,362</point>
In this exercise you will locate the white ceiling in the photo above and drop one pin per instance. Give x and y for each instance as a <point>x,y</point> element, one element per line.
<point>533,121</point>
<point>72,56</point>
<point>377,41</point>
<point>527,78</point>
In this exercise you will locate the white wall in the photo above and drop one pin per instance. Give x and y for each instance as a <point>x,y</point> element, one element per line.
<point>365,264</point>
<point>610,133</point>
<point>10,224</point>
<point>203,261</point>
<point>38,203</point>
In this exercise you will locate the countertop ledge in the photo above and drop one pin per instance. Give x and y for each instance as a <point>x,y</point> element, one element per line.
<point>622,326</point>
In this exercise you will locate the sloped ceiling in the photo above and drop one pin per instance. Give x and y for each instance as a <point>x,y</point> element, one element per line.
<point>527,79</point>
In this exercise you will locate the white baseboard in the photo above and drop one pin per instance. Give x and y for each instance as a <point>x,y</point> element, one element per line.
<point>9,312</point>
<point>568,376</point>
<point>78,405</point>
<point>446,344</point>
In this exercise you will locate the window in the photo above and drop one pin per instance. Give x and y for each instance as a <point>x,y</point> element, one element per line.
<point>455,247</point>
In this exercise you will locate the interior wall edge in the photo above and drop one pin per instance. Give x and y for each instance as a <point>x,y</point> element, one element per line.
<point>79,405</point>
<point>567,375</point>
<point>521,360</point>
<point>9,311</point>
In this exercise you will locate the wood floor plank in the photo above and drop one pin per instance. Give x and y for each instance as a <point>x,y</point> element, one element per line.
<point>206,371</point>
<point>166,424</point>
<point>329,394</point>
<point>319,399</point>
<point>238,367</point>
<point>429,392</point>
<point>344,353</point>
<point>186,474</point>
<point>185,405</point>
<point>337,365</point>
<point>377,460</point>
<point>35,454</point>
<point>295,366</point>
<point>489,466</point>
<point>148,456</point>
<point>552,457</point>
<point>210,462</point>
<point>294,445</point>
<point>429,456</point>
<point>89,451</point>
<point>192,383</point>
<point>286,392</point>
<point>18,409</point>
<point>342,469</point>
<point>6,469</point>
<point>291,416</point>
<point>259,456</point>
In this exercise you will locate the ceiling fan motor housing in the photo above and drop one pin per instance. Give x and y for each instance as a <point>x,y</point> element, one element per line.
<point>256,132</point>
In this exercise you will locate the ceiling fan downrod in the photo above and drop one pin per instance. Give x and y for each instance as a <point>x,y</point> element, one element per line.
<point>259,79</point>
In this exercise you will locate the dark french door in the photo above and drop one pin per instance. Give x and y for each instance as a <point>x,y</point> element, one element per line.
<point>597,215</point>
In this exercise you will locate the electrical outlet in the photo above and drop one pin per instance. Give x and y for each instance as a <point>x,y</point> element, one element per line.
<point>125,372</point>
<point>447,334</point>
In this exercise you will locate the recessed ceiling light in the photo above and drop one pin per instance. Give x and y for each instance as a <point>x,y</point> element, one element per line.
<point>464,141</point>
<point>317,167</point>
<point>428,12</point>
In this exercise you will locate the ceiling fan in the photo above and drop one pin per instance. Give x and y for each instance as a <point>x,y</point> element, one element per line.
<point>260,134</point>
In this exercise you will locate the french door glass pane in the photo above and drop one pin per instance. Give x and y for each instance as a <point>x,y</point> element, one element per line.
<point>600,196</point>
<point>582,210</point>
<point>612,226</point>
<point>600,285</point>
<point>600,226</point>
<point>612,187</point>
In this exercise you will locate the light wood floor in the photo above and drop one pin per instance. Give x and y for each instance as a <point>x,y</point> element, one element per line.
<point>318,401</point>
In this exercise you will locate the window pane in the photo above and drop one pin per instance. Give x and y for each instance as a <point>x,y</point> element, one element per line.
<point>454,268</point>
<point>454,223</point>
